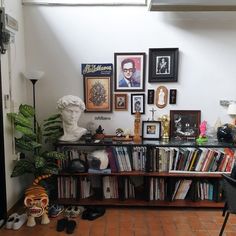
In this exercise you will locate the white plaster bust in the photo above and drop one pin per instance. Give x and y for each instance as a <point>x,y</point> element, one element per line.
<point>71,108</point>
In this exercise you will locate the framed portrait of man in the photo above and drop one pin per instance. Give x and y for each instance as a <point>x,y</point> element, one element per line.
<point>129,71</point>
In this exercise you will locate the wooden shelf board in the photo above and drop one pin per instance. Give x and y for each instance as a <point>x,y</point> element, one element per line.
<point>135,202</point>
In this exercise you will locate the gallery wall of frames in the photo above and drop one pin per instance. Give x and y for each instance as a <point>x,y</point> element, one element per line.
<point>109,87</point>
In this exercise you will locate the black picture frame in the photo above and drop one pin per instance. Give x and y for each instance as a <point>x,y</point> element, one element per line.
<point>138,59</point>
<point>184,124</point>
<point>138,100</point>
<point>151,96</point>
<point>163,65</point>
<point>151,130</point>
<point>173,96</point>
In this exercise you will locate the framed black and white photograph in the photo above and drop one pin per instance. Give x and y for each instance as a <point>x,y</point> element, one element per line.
<point>184,124</point>
<point>129,71</point>
<point>163,64</point>
<point>151,130</point>
<point>138,103</point>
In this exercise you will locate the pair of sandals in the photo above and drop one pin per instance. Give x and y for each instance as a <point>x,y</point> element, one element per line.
<point>66,224</point>
<point>73,211</point>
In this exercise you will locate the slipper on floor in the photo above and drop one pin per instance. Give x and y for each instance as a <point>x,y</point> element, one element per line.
<point>19,221</point>
<point>10,220</point>
<point>61,224</point>
<point>70,226</point>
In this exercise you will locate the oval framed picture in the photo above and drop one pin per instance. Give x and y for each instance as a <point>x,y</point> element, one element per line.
<point>161,96</point>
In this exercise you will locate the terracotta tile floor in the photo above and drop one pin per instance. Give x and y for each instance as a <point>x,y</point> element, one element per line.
<point>141,222</point>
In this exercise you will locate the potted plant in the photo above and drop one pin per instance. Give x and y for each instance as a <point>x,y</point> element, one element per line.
<point>29,142</point>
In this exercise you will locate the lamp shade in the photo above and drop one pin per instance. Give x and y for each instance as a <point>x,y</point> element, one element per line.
<point>232,108</point>
<point>34,74</point>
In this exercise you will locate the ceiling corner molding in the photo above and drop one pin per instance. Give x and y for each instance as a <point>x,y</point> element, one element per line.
<point>192,5</point>
<point>86,2</point>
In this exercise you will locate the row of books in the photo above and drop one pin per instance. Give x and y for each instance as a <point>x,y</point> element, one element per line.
<point>202,159</point>
<point>191,159</point>
<point>127,159</point>
<point>161,159</point>
<point>67,187</point>
<point>161,189</point>
<point>135,187</point>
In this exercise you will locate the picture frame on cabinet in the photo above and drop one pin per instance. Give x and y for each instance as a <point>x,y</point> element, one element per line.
<point>120,102</point>
<point>97,94</point>
<point>129,71</point>
<point>151,130</point>
<point>184,124</point>
<point>138,103</point>
<point>163,65</point>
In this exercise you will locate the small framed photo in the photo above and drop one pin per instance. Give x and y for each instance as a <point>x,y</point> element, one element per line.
<point>151,129</point>
<point>129,71</point>
<point>151,96</point>
<point>184,124</point>
<point>163,64</point>
<point>120,102</point>
<point>138,103</point>
<point>97,94</point>
<point>173,96</point>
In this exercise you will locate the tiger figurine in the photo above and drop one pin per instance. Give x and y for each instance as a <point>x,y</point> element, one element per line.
<point>36,200</point>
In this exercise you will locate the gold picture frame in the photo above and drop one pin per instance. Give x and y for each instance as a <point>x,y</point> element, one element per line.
<point>97,94</point>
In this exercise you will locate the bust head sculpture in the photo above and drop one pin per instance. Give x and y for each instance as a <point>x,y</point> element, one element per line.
<point>71,108</point>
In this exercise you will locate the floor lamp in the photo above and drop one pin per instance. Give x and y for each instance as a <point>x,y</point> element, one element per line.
<point>34,76</point>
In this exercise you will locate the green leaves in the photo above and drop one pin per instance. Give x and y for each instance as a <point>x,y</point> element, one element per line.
<point>55,155</point>
<point>22,166</point>
<point>30,143</point>
<point>27,110</point>
<point>21,120</point>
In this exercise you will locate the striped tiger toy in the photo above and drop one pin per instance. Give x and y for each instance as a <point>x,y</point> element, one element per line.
<point>36,200</point>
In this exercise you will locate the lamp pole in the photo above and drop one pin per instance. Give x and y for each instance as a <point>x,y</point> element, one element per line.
<point>34,82</point>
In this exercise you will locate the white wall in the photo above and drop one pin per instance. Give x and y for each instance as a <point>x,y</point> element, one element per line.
<point>12,64</point>
<point>59,39</point>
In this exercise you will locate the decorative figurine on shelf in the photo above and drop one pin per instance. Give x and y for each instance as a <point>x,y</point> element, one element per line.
<point>119,132</point>
<point>202,137</point>
<point>36,200</point>
<point>137,127</point>
<point>71,108</point>
<point>99,133</point>
<point>165,121</point>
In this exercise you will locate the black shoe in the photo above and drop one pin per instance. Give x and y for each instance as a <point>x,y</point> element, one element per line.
<point>93,213</point>
<point>70,226</point>
<point>61,224</point>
